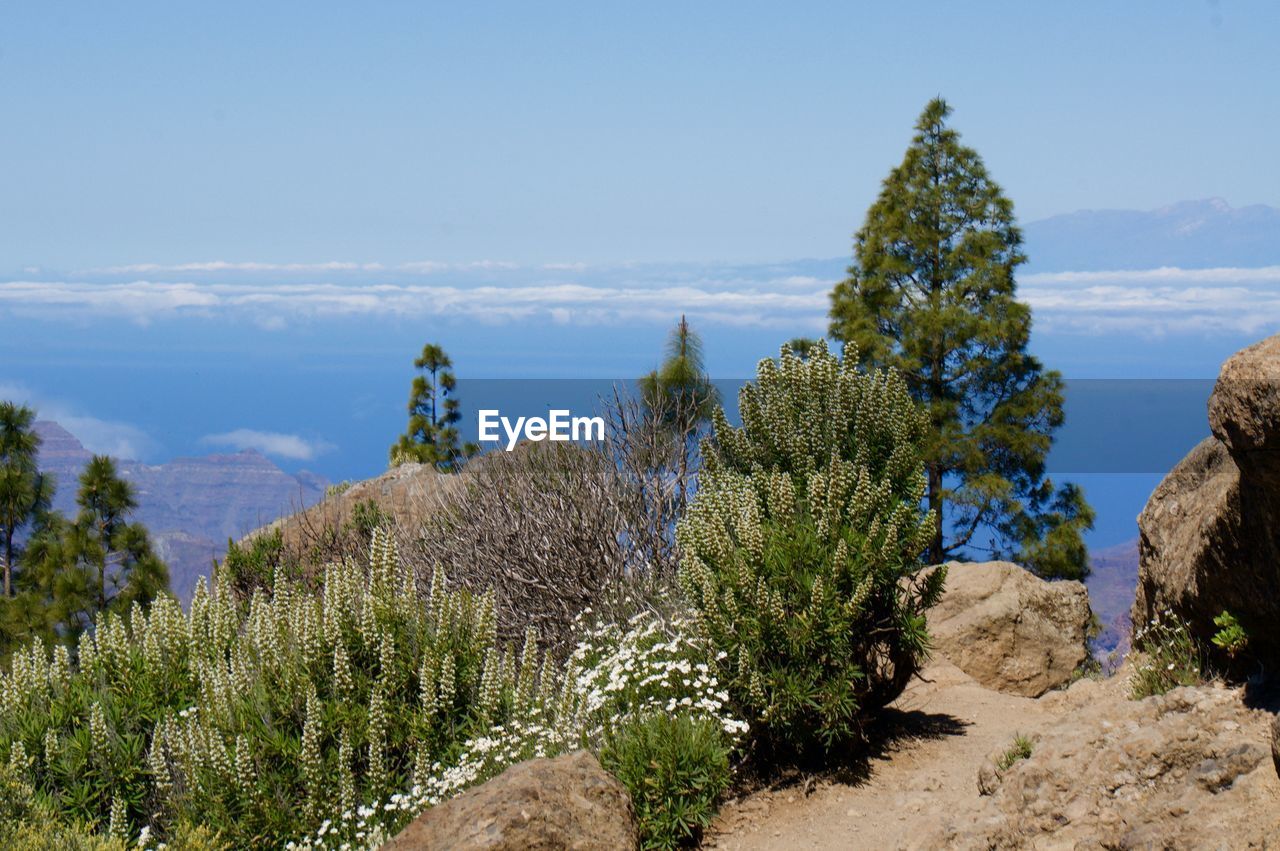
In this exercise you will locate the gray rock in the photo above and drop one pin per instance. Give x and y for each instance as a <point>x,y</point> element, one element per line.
<point>569,802</point>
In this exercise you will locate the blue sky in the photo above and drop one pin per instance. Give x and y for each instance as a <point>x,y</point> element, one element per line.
<point>174,132</point>
<point>234,224</point>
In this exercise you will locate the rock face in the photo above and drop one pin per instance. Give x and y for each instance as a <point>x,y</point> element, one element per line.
<point>1184,770</point>
<point>1275,743</point>
<point>191,506</point>
<point>403,495</point>
<point>1009,630</point>
<point>565,803</point>
<point>1210,534</point>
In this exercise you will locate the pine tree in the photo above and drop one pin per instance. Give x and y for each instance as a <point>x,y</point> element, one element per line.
<point>25,493</point>
<point>679,392</point>
<point>931,293</point>
<point>434,414</point>
<point>100,562</point>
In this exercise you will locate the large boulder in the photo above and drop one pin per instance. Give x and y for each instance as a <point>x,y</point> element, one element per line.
<point>1244,410</point>
<point>569,802</point>
<point>1210,534</point>
<point>1010,630</point>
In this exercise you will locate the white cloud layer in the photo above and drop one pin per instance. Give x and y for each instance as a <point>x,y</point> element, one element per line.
<point>1155,302</point>
<point>291,446</point>
<point>1146,301</point>
<point>272,305</point>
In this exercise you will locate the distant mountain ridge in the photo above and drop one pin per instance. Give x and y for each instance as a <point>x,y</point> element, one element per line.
<point>1202,234</point>
<point>191,506</point>
<point>1111,583</point>
<point>1188,234</point>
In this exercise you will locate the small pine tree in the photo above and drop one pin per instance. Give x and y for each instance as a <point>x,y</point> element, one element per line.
<point>434,414</point>
<point>25,493</point>
<point>679,393</point>
<point>931,294</point>
<point>801,547</point>
<point>100,562</point>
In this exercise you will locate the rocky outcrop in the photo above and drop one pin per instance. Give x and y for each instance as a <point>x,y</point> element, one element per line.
<point>1009,630</point>
<point>1210,534</point>
<point>565,803</point>
<point>1185,770</point>
<point>1275,743</point>
<point>1244,410</point>
<point>332,529</point>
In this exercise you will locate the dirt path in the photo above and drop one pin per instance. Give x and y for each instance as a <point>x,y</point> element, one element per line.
<point>946,729</point>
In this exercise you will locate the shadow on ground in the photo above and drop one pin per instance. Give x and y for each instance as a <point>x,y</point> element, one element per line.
<point>893,730</point>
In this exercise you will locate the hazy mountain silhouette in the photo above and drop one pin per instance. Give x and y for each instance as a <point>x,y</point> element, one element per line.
<point>1189,234</point>
<point>190,505</point>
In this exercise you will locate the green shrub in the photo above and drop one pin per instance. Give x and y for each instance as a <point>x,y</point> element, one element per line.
<point>28,823</point>
<point>252,566</point>
<point>328,718</point>
<point>258,721</point>
<point>1231,636</point>
<point>1166,656</point>
<point>1020,749</point>
<point>801,549</point>
<point>675,768</point>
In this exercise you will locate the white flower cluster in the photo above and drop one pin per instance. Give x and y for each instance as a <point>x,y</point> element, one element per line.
<point>614,672</point>
<point>1165,655</point>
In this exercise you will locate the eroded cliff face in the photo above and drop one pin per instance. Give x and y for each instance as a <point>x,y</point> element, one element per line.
<point>192,506</point>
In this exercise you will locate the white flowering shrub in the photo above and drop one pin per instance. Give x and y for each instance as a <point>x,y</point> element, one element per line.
<point>327,719</point>
<point>1165,655</point>
<point>259,724</point>
<point>616,676</point>
<point>801,549</point>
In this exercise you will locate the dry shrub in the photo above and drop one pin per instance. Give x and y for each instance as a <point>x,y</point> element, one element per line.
<point>556,528</point>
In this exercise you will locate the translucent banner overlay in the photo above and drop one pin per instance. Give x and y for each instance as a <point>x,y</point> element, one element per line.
<point>1112,425</point>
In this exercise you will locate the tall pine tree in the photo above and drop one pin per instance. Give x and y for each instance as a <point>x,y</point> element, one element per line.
<point>434,414</point>
<point>932,294</point>
<point>25,492</point>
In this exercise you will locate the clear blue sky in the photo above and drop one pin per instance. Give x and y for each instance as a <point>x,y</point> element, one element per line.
<point>172,132</point>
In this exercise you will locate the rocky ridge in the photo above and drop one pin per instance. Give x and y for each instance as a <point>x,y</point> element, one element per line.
<point>191,506</point>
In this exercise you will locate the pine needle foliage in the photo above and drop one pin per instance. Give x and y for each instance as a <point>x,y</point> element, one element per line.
<point>679,393</point>
<point>432,435</point>
<point>25,492</point>
<point>801,549</point>
<point>932,294</point>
